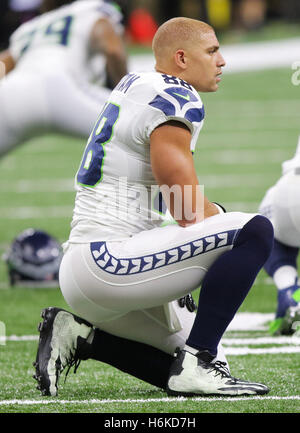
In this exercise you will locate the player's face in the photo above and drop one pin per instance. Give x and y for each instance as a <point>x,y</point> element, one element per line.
<point>204,64</point>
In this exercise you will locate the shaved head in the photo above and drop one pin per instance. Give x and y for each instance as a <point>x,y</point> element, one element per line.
<point>189,49</point>
<point>177,33</point>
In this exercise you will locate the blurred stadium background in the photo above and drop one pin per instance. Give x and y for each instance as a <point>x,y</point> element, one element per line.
<point>252,125</point>
<point>234,20</point>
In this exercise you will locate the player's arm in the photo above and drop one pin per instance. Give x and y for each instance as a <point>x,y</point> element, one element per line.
<point>173,166</point>
<point>8,61</point>
<point>106,41</point>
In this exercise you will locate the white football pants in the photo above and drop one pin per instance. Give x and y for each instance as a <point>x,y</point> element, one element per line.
<point>281,204</point>
<point>31,104</point>
<point>130,288</point>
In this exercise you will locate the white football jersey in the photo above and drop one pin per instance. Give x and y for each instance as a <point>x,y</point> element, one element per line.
<point>117,195</point>
<point>59,40</point>
<point>293,163</point>
<point>281,203</point>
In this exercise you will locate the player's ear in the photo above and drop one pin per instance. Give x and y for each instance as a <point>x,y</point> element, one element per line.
<point>180,59</point>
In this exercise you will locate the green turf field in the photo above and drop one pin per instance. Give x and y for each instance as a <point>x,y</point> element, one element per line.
<point>252,125</point>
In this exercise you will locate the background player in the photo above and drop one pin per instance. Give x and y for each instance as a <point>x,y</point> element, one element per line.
<point>48,65</point>
<point>121,271</point>
<point>282,205</point>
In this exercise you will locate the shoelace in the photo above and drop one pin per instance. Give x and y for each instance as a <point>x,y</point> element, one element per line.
<point>72,361</point>
<point>220,368</point>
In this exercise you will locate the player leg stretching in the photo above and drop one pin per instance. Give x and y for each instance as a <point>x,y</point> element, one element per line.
<point>66,339</point>
<point>223,290</point>
<point>282,268</point>
<point>281,206</point>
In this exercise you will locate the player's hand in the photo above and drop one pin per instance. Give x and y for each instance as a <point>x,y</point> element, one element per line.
<point>188,302</point>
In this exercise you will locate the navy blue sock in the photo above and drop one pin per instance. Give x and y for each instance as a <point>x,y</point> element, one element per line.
<point>137,359</point>
<point>228,282</point>
<point>281,255</point>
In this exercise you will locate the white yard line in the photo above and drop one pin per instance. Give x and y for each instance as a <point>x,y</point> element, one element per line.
<point>234,351</point>
<point>4,285</point>
<point>238,351</point>
<point>261,340</point>
<point>294,341</point>
<point>253,108</point>
<point>42,185</point>
<point>242,57</point>
<point>245,157</point>
<point>241,322</point>
<point>236,180</point>
<point>250,321</point>
<point>144,401</point>
<point>239,206</point>
<point>239,139</point>
<point>19,338</point>
<point>28,212</point>
<point>24,186</point>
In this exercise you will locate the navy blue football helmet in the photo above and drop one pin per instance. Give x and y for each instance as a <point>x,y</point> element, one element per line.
<point>34,259</point>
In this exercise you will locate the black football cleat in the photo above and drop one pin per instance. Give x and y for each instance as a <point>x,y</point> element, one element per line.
<point>62,343</point>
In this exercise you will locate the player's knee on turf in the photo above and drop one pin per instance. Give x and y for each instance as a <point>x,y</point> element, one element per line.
<point>259,230</point>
